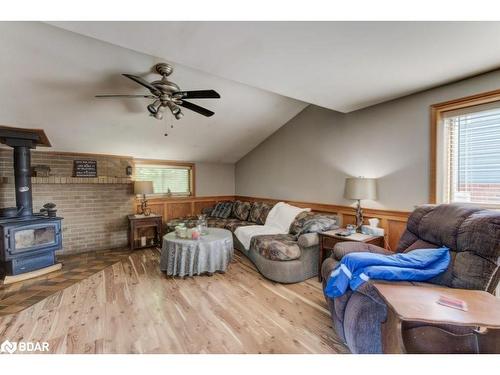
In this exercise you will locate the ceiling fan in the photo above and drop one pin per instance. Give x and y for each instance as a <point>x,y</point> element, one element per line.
<point>166,94</point>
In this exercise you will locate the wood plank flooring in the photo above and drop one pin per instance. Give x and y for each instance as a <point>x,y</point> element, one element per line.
<point>131,307</point>
<point>18,296</point>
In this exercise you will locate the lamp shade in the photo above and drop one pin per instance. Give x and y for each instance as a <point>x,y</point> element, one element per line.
<point>143,187</point>
<point>360,188</point>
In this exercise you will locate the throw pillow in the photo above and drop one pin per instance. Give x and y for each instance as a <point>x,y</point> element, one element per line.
<point>283,215</point>
<point>259,212</point>
<point>241,210</point>
<point>312,222</point>
<point>222,210</point>
<point>318,224</point>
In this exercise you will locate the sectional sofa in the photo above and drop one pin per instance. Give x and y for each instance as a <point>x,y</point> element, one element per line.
<point>285,258</point>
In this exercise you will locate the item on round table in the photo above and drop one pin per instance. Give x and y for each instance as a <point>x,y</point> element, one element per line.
<point>181,230</point>
<point>195,234</point>
<point>202,224</point>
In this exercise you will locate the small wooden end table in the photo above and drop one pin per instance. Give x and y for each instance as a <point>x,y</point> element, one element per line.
<point>328,240</point>
<point>137,222</point>
<point>415,320</point>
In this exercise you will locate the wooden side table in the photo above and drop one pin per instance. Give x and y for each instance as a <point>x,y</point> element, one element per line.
<point>328,240</point>
<point>141,222</point>
<point>415,320</point>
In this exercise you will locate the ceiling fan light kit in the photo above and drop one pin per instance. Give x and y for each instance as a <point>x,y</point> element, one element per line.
<point>167,94</point>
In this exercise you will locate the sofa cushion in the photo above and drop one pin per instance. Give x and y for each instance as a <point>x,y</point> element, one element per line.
<point>478,252</point>
<point>232,224</point>
<point>363,314</point>
<point>441,225</point>
<point>313,222</point>
<point>308,239</point>
<point>472,234</point>
<point>276,246</point>
<point>222,210</point>
<point>217,222</point>
<point>420,244</point>
<point>259,212</point>
<point>241,210</point>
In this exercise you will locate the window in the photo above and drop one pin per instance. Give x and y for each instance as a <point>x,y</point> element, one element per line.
<point>176,177</point>
<point>468,154</point>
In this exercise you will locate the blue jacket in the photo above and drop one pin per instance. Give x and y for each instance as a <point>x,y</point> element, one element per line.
<point>356,268</point>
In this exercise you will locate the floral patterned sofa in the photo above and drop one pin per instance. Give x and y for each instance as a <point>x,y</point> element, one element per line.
<point>285,258</point>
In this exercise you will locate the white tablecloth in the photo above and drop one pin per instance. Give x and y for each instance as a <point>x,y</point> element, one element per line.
<point>186,257</point>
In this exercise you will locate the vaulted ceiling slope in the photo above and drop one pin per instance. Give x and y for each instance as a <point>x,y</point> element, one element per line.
<point>343,66</point>
<point>49,76</point>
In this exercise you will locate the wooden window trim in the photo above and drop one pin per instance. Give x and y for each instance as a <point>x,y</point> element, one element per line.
<point>436,116</point>
<point>172,163</point>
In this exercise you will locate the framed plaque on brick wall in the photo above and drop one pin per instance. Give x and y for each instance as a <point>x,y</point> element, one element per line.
<point>84,168</point>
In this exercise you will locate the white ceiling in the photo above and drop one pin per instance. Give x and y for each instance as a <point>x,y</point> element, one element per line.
<point>338,65</point>
<point>49,77</point>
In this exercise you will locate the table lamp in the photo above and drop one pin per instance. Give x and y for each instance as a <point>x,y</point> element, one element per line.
<point>360,188</point>
<point>143,188</point>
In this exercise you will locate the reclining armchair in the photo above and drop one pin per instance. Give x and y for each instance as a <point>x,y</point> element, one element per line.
<point>472,235</point>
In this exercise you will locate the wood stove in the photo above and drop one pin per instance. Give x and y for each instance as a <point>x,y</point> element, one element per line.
<point>28,241</point>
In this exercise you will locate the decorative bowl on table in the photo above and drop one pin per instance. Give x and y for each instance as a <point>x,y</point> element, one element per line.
<point>181,230</point>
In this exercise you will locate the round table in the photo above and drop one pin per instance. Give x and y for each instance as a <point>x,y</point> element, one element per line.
<point>186,257</point>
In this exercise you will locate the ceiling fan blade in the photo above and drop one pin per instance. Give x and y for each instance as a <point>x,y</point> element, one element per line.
<point>197,94</point>
<point>197,109</point>
<point>126,96</point>
<point>144,83</point>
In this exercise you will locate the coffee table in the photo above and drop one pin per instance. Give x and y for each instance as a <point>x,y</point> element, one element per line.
<point>185,257</point>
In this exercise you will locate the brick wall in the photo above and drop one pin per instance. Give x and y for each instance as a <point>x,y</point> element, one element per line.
<point>95,215</point>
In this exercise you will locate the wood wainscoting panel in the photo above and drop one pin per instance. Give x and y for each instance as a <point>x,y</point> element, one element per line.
<point>393,222</point>
<point>156,208</point>
<point>348,219</point>
<point>178,209</point>
<point>395,231</point>
<point>198,206</point>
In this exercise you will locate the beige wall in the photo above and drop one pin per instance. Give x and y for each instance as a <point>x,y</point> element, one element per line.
<point>214,179</point>
<point>309,158</point>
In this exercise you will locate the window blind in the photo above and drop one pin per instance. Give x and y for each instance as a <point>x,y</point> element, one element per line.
<point>473,155</point>
<point>177,179</point>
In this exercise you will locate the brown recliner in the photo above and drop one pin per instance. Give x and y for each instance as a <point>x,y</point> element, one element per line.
<point>473,236</point>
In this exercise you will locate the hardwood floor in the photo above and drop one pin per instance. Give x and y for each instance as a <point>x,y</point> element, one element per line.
<point>131,307</point>
<point>18,296</point>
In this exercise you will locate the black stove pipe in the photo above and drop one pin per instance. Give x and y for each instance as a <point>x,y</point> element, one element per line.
<point>22,179</point>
